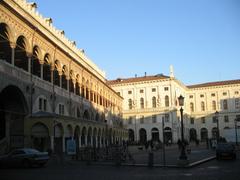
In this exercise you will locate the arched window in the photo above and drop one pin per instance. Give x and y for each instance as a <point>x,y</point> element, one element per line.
<point>214,105</point>
<point>191,107</point>
<point>141,103</point>
<point>166,101</point>
<point>202,106</point>
<point>154,104</point>
<point>130,103</point>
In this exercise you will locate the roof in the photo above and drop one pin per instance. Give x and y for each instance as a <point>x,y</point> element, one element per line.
<point>137,79</point>
<point>217,83</point>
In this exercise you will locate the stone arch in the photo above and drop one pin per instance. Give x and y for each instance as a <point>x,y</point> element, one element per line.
<point>168,134</point>
<point>142,136</point>
<point>95,134</point>
<point>89,136</point>
<point>65,77</point>
<point>204,134</point>
<point>193,134</point>
<point>86,115</point>
<point>5,43</point>
<point>69,131</point>
<point>36,60</point>
<point>47,67</point>
<point>40,136</point>
<point>77,135</point>
<point>97,117</point>
<point>77,86</point>
<point>83,136</point>
<point>155,134</point>
<point>58,133</point>
<point>56,72</point>
<point>21,58</point>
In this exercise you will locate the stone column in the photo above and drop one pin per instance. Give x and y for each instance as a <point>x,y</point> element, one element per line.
<point>60,77</point>
<point>13,46</point>
<point>29,55</point>
<point>52,143</point>
<point>41,66</point>
<point>63,144</point>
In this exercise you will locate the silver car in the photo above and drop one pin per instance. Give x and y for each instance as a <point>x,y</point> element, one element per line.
<point>24,157</point>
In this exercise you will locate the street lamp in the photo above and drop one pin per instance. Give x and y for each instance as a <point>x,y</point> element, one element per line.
<point>183,155</point>
<point>217,119</point>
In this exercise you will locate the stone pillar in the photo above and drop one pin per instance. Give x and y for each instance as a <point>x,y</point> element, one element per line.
<point>41,66</point>
<point>13,46</point>
<point>80,141</point>
<point>52,142</point>
<point>86,143</point>
<point>60,75</point>
<point>63,144</point>
<point>29,62</point>
<point>52,70</point>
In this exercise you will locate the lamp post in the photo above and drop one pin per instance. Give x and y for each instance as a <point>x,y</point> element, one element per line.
<point>217,119</point>
<point>183,155</point>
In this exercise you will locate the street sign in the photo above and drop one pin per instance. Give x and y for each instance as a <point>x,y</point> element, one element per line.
<point>71,147</point>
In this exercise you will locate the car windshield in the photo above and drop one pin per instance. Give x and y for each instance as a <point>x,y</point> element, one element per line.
<point>31,151</point>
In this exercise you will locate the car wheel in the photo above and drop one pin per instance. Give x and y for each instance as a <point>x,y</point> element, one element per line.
<point>26,163</point>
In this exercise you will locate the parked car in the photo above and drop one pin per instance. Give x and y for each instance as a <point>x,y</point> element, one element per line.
<point>25,157</point>
<point>225,150</point>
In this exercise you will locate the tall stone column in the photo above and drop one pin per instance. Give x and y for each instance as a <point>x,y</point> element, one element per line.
<point>13,46</point>
<point>41,69</point>
<point>29,55</point>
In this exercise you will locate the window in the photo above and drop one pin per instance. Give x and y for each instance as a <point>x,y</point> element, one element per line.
<point>202,95</point>
<point>153,89</point>
<point>238,118</point>
<point>130,120</point>
<point>213,94</point>
<point>203,120</point>
<point>166,88</point>
<point>154,103</point>
<point>154,118</point>
<point>191,107</point>
<point>141,119</point>
<point>191,120</point>
<point>130,104</point>
<point>141,91</point>
<point>42,104</point>
<point>61,109</point>
<point>214,119</point>
<point>191,96</point>
<point>202,106</point>
<point>166,101</point>
<point>225,104</point>
<point>214,105</point>
<point>237,103</point>
<point>226,119</point>
<point>236,92</point>
<point>166,118</point>
<point>129,92</point>
<point>141,103</point>
<point>224,93</point>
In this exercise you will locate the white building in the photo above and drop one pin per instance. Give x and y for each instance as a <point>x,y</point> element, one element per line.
<point>151,101</point>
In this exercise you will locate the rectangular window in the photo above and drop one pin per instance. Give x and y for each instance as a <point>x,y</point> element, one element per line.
<point>237,103</point>
<point>226,120</point>
<point>154,118</point>
<point>214,119</point>
<point>213,94</point>
<point>202,95</point>
<point>141,119</point>
<point>141,91</point>
<point>224,93</point>
<point>45,105</point>
<point>153,89</point>
<point>236,92</point>
<point>166,88</point>
<point>203,120</point>
<point>130,120</point>
<point>225,104</point>
<point>192,121</point>
<point>191,96</point>
<point>129,92</point>
<point>166,118</point>
<point>40,104</point>
<point>62,109</point>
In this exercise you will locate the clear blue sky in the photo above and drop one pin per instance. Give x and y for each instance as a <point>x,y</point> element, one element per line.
<point>200,38</point>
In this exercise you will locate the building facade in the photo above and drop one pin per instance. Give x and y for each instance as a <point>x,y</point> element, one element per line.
<point>151,109</point>
<point>49,90</point>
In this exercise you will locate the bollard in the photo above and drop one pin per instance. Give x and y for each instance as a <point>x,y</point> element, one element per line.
<point>150,159</point>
